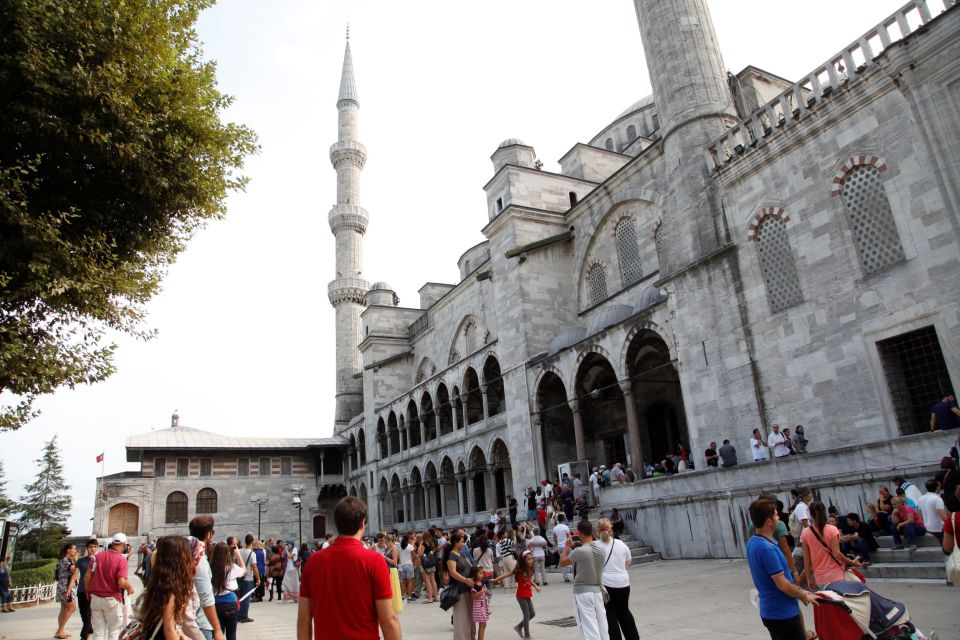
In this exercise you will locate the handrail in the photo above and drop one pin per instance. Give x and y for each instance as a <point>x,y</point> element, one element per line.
<point>844,67</point>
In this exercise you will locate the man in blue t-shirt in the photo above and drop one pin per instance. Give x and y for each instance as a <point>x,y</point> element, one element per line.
<point>945,414</point>
<point>772,578</point>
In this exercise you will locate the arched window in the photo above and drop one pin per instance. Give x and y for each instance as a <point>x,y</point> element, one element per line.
<point>628,251</point>
<point>631,133</point>
<point>382,438</point>
<point>597,280</point>
<point>206,501</point>
<point>362,447</point>
<point>493,380</point>
<point>868,209</point>
<point>609,144</point>
<point>777,264</point>
<point>176,508</point>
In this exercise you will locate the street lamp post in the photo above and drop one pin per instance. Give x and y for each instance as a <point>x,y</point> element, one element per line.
<point>297,490</point>
<point>261,502</point>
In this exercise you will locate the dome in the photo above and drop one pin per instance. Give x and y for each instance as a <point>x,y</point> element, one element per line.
<point>650,297</point>
<point>567,338</point>
<point>381,286</point>
<point>636,106</point>
<point>609,316</point>
<point>509,142</point>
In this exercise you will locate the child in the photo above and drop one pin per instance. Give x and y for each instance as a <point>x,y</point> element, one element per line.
<point>481,606</point>
<point>523,574</point>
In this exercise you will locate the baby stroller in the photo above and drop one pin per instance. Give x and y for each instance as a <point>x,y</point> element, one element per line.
<point>850,611</point>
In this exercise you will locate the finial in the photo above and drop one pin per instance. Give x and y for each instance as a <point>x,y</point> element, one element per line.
<point>348,32</point>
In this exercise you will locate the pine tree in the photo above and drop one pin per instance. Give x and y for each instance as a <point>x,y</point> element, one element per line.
<point>47,500</point>
<point>7,506</point>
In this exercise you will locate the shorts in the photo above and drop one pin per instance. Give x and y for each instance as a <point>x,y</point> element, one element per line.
<point>406,571</point>
<point>428,569</point>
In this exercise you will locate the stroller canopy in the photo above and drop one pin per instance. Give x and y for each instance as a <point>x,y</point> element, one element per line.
<point>870,610</point>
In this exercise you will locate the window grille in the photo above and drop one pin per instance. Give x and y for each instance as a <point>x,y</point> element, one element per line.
<point>183,467</point>
<point>629,252</point>
<point>206,467</point>
<point>598,284</point>
<point>777,264</point>
<point>917,376</point>
<point>159,467</point>
<point>207,501</point>
<point>286,466</point>
<point>243,466</point>
<point>176,508</point>
<point>871,218</point>
<point>264,466</point>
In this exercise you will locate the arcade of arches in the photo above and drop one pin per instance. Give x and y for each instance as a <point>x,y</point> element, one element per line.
<point>604,419</point>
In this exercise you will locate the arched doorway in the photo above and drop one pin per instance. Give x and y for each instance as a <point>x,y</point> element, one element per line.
<point>394,433</point>
<point>396,502</point>
<point>657,396</point>
<point>428,416</point>
<point>476,479</point>
<point>382,438</point>
<point>502,473</point>
<point>603,411</point>
<point>413,424</point>
<point>444,410</point>
<point>125,517</point>
<point>417,501</point>
<point>362,447</point>
<point>556,423</point>
<point>319,527</point>
<point>432,493</point>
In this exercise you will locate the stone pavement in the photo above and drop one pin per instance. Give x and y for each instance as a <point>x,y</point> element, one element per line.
<point>670,599</point>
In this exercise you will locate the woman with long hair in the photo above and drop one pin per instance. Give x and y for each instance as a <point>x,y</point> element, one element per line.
<point>458,570</point>
<point>392,555</point>
<point>428,565</point>
<point>823,562</point>
<point>617,558</point>
<point>522,574</point>
<point>224,574</point>
<point>275,571</point>
<point>405,566</point>
<point>483,556</point>
<point>169,589</point>
<point>66,587</point>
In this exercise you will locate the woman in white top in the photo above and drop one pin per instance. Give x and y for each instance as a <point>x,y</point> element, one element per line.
<point>617,558</point>
<point>538,546</point>
<point>405,569</point>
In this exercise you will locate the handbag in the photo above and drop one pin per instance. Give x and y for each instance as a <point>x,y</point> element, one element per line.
<point>450,595</point>
<point>850,575</point>
<point>952,561</point>
<point>135,631</point>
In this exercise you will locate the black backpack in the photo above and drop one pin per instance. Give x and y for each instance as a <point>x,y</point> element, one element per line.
<point>429,559</point>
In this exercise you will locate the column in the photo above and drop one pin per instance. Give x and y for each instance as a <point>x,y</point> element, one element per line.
<point>633,425</point>
<point>578,430</point>
<point>471,494</point>
<point>460,507</point>
<point>486,407</point>
<point>423,431</point>
<point>443,500</point>
<point>454,412</point>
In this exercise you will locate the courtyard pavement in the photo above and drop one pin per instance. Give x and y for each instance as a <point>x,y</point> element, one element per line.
<point>680,599</point>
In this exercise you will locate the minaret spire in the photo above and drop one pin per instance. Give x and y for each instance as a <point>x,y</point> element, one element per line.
<point>348,222</point>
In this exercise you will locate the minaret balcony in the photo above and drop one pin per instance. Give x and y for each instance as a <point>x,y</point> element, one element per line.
<point>348,216</point>
<point>348,151</point>
<point>348,290</point>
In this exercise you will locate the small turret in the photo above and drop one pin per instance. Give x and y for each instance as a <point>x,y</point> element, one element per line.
<point>516,152</point>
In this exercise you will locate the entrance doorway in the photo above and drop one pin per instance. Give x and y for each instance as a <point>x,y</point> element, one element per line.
<point>125,517</point>
<point>917,376</point>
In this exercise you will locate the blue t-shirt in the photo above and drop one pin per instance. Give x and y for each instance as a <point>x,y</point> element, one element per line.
<point>946,419</point>
<point>766,560</point>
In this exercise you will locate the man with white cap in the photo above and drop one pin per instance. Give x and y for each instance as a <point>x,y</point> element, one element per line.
<point>106,580</point>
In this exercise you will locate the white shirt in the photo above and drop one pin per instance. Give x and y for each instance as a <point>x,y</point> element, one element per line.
<point>615,570</point>
<point>406,554</point>
<point>912,492</point>
<point>777,442</point>
<point>494,519</point>
<point>929,503</point>
<point>537,544</point>
<point>562,531</point>
<point>548,490</point>
<point>803,512</point>
<point>759,449</point>
<point>594,481</point>
<point>233,572</point>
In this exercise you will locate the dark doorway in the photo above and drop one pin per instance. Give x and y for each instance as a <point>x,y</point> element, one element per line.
<point>917,376</point>
<point>319,527</point>
<point>664,430</point>
<point>614,450</point>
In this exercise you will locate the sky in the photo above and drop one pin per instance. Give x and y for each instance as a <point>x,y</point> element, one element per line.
<point>245,341</point>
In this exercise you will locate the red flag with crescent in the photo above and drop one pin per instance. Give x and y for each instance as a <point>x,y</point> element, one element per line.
<point>100,458</point>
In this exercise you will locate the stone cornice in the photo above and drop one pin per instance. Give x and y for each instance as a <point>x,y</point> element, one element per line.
<point>347,290</point>
<point>348,151</point>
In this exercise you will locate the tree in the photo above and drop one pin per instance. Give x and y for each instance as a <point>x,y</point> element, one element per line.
<point>47,500</point>
<point>7,506</point>
<point>44,542</point>
<point>112,155</point>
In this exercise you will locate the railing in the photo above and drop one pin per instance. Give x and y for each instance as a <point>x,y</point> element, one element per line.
<point>34,594</point>
<point>842,68</point>
<point>419,324</point>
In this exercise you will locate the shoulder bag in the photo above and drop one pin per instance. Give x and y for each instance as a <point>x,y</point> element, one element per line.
<point>599,569</point>
<point>952,561</point>
<point>851,575</point>
<point>135,631</point>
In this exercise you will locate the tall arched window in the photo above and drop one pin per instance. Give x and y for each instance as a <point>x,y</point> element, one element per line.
<point>631,133</point>
<point>597,281</point>
<point>777,264</point>
<point>362,447</point>
<point>206,501</point>
<point>628,251</point>
<point>868,209</point>
<point>609,144</point>
<point>176,508</point>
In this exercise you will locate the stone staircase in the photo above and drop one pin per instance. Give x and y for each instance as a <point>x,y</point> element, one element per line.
<point>640,552</point>
<point>922,565</point>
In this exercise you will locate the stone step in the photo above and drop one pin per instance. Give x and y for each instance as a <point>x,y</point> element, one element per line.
<point>644,558</point>
<point>906,570</point>
<point>921,554</point>
<point>886,542</point>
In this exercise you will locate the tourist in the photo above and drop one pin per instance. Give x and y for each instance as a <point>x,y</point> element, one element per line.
<point>617,474</point>
<point>392,555</point>
<point>531,504</point>
<point>507,551</point>
<point>617,558</point>
<point>711,456</point>
<point>910,491</point>
<point>881,510</point>
<point>480,602</point>
<point>346,591</point>
<point>906,521</point>
<point>759,447</point>
<point>428,565</point>
<point>799,440</point>
<point>66,587</point>
<point>201,540</point>
<point>162,606</point>
<point>588,589</point>
<point>777,442</point>
<point>250,579</point>
<point>522,575</point>
<point>512,507</point>
<point>857,538</point>
<point>949,479</point>
<point>224,574</point>
<point>780,535</point>
<point>83,603</point>
<point>932,510</point>
<point>823,561</point>
<point>494,517</point>
<point>537,545</point>
<point>5,584</point>
<point>616,522</point>
<point>728,455</point>
<point>458,570</point>
<point>291,574</point>
<point>945,414</point>
<point>595,480</point>
<point>261,559</point>
<point>405,567</point>
<point>561,532</point>
<point>483,556</point>
<point>789,442</point>
<point>778,594</point>
<point>106,578</point>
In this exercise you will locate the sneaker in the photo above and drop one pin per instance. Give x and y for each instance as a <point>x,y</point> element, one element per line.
<point>517,629</point>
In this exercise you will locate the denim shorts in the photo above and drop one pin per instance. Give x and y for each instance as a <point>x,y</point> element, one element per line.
<point>406,571</point>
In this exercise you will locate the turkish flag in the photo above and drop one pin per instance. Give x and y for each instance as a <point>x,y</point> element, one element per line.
<point>100,458</point>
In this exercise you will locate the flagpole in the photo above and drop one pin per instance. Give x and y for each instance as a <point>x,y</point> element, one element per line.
<point>103,487</point>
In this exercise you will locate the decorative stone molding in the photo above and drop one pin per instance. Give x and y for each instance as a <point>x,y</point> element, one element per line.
<point>348,216</point>
<point>347,290</point>
<point>760,215</point>
<point>847,166</point>
<point>349,152</point>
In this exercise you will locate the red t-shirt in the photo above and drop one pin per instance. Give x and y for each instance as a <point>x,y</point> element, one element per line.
<point>106,569</point>
<point>524,587</point>
<point>904,512</point>
<point>948,526</point>
<point>343,582</point>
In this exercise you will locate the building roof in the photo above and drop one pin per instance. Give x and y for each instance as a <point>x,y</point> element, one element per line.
<point>348,85</point>
<point>189,438</point>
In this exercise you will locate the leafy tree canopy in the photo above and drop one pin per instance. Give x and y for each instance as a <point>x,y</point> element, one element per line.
<point>112,155</point>
<point>49,539</point>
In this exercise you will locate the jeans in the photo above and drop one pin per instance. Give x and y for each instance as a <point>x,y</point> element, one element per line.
<point>246,586</point>
<point>619,616</point>
<point>84,605</point>
<point>912,531</point>
<point>860,546</point>
<point>207,633</point>
<point>275,582</point>
<point>227,615</point>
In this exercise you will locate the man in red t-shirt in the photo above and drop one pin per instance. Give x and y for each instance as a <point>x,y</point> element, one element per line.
<point>105,581</point>
<point>345,591</point>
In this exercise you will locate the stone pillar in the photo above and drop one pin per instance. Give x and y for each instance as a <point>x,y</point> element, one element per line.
<point>443,500</point>
<point>453,411</point>
<point>460,504</point>
<point>471,494</point>
<point>633,425</point>
<point>578,430</point>
<point>486,406</point>
<point>423,431</point>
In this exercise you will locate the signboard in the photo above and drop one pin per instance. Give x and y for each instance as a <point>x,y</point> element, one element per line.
<point>8,540</point>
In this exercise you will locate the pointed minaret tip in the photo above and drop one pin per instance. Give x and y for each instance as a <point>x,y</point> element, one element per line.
<point>348,85</point>
<point>348,32</point>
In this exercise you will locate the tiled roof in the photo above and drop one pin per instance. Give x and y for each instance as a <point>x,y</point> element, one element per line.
<point>188,438</point>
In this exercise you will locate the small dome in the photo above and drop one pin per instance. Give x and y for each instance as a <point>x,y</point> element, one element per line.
<point>509,142</point>
<point>566,338</point>
<point>650,297</point>
<point>381,286</point>
<point>609,316</point>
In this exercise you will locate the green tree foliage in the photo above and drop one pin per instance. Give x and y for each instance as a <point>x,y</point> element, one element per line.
<point>49,538</point>
<point>112,155</point>
<point>7,506</point>
<point>47,500</point>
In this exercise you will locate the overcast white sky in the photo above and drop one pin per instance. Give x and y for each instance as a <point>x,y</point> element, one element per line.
<point>245,341</point>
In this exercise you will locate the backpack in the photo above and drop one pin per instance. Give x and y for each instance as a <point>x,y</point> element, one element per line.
<point>795,526</point>
<point>428,560</point>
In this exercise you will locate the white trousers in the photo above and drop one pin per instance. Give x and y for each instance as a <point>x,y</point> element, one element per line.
<point>106,616</point>
<point>591,616</point>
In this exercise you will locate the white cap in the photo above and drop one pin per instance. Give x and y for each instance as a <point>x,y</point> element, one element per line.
<point>119,538</point>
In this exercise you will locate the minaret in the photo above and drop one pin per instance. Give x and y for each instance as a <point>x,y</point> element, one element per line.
<point>348,222</point>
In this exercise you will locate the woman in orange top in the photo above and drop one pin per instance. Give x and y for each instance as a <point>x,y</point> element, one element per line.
<point>823,562</point>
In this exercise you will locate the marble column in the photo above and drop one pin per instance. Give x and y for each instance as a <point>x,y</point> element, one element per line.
<point>453,411</point>
<point>443,500</point>
<point>460,507</point>
<point>486,406</point>
<point>471,494</point>
<point>578,430</point>
<point>633,425</point>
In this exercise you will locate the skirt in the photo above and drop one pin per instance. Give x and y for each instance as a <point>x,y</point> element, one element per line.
<point>397,593</point>
<point>291,583</point>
